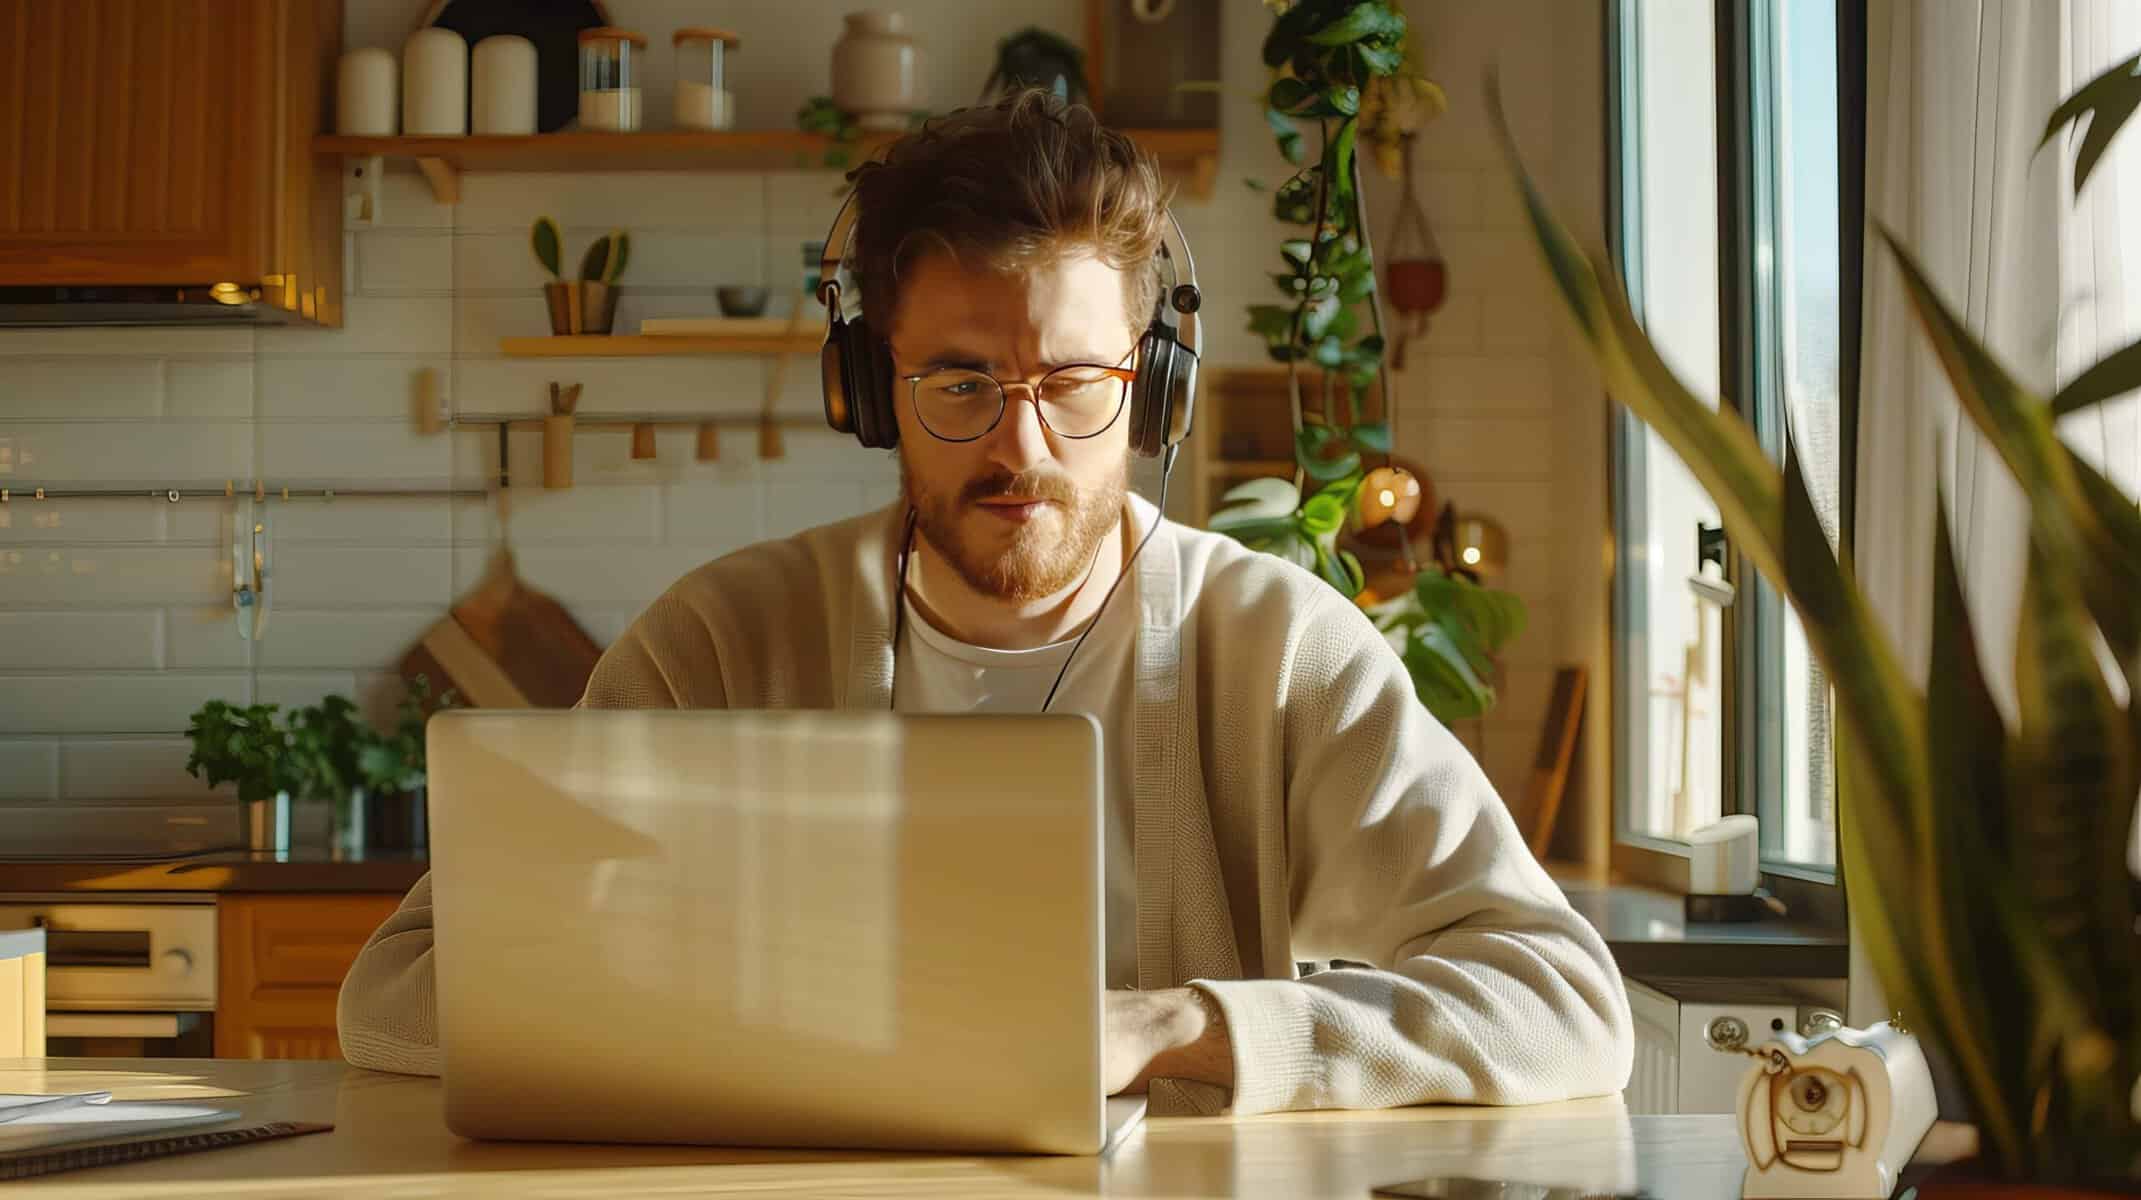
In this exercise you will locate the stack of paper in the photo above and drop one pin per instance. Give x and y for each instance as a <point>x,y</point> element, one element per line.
<point>36,1122</point>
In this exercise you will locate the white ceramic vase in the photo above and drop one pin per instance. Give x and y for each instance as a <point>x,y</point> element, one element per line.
<point>877,70</point>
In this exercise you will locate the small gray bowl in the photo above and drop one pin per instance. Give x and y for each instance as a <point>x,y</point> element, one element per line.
<point>741,300</point>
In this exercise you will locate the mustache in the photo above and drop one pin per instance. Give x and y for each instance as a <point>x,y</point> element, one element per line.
<point>1039,485</point>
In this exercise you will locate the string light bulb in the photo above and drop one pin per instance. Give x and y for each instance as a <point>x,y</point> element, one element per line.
<point>1389,494</point>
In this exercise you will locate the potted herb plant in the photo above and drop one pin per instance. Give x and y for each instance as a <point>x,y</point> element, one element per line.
<point>1986,857</point>
<point>392,765</point>
<point>249,747</point>
<point>1340,66</point>
<point>588,305</point>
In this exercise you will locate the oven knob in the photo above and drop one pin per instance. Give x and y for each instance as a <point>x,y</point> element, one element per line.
<point>179,960</point>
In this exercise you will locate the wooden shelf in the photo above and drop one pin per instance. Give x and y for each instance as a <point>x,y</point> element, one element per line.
<point>760,335</point>
<point>1190,156</point>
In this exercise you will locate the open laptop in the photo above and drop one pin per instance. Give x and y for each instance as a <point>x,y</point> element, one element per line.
<point>771,928</point>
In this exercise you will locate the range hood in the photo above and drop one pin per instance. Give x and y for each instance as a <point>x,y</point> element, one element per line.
<point>148,304</point>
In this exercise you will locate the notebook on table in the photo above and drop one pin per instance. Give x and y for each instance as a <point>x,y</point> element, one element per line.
<point>42,1141</point>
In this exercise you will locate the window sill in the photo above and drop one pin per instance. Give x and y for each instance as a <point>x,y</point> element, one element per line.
<point>1649,936</point>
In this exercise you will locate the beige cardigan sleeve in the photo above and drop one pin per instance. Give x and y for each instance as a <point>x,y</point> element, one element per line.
<point>1487,988</point>
<point>387,1011</point>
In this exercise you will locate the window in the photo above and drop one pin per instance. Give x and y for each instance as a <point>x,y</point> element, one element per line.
<point>1727,198</point>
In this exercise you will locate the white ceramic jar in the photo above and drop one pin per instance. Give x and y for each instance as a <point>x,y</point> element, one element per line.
<point>367,95</point>
<point>434,83</point>
<point>877,70</point>
<point>502,99</point>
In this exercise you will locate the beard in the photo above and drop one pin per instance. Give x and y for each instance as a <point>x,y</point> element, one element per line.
<point>1017,562</point>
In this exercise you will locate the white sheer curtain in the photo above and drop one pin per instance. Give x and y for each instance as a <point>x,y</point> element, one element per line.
<point>1958,92</point>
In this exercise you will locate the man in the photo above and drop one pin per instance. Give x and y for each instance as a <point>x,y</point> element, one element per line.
<point>1275,792</point>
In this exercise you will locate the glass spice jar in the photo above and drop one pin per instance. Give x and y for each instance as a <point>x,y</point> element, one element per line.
<point>703,100</point>
<point>610,68</point>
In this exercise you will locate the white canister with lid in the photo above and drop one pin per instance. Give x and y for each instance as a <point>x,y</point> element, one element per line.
<point>367,100</point>
<point>502,99</point>
<point>877,70</point>
<point>434,83</point>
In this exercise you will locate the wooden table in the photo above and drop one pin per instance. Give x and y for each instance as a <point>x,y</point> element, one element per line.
<point>390,1140</point>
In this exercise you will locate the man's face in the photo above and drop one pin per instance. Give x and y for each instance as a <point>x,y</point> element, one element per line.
<point>1020,511</point>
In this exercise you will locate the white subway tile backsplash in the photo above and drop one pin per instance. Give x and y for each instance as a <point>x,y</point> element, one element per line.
<point>605,200</point>
<point>137,702</point>
<point>316,576</point>
<point>660,259</point>
<point>321,385</point>
<point>158,829</point>
<point>108,340</point>
<point>143,769</point>
<point>372,325</point>
<point>72,577</point>
<point>718,517</point>
<point>374,639</point>
<point>480,321</point>
<point>78,641</point>
<point>595,578</point>
<point>800,206</point>
<point>82,388</point>
<point>208,388</point>
<point>101,452</point>
<point>1475,383</point>
<point>1454,329</point>
<point>591,513</point>
<point>398,261</point>
<point>29,770</point>
<point>1464,448</point>
<point>1515,317</point>
<point>26,522</point>
<point>680,386</point>
<point>206,638</point>
<point>349,453</point>
<point>417,520</point>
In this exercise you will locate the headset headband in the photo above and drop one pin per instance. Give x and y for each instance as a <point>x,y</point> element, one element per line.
<point>834,256</point>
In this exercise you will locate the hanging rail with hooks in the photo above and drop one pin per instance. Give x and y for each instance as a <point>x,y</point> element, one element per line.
<point>259,491</point>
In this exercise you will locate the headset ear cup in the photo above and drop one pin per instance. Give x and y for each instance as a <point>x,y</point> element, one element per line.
<point>1152,393</point>
<point>832,370</point>
<point>859,359</point>
<point>885,392</point>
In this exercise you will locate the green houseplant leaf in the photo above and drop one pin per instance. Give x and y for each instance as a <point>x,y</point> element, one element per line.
<point>1370,20</point>
<point>2117,374</point>
<point>2108,101</point>
<point>543,238</point>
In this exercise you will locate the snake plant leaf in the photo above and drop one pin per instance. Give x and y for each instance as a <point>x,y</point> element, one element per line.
<point>2019,426</point>
<point>2115,375</point>
<point>2107,100</point>
<point>1967,819</point>
<point>2122,525</point>
<point>543,238</point>
<point>2071,791</point>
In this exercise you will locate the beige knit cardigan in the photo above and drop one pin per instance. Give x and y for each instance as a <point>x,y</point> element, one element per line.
<point>1293,801</point>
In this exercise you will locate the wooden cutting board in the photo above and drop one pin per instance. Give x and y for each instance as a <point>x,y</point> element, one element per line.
<point>506,645</point>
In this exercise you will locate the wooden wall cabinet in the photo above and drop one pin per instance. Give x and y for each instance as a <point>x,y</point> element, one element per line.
<point>169,142</point>
<point>282,961</point>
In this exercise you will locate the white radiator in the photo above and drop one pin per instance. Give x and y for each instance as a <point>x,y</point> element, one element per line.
<point>1676,1070</point>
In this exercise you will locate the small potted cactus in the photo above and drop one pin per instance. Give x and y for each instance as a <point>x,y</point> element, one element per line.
<point>589,304</point>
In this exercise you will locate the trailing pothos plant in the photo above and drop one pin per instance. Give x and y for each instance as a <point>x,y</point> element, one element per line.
<point>1340,68</point>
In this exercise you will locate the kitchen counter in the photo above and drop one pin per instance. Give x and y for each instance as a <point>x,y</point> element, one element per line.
<point>223,871</point>
<point>390,1139</point>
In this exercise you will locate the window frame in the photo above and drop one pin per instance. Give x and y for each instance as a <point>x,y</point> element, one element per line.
<point>1749,300</point>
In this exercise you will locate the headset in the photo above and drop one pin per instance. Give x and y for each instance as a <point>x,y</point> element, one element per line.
<point>857,373</point>
<point>855,366</point>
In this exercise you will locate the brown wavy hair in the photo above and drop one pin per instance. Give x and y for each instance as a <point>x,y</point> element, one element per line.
<point>1005,187</point>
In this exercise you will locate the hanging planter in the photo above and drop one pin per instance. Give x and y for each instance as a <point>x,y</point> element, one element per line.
<point>1418,280</point>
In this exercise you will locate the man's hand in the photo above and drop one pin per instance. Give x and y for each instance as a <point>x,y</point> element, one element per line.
<point>1174,1034</point>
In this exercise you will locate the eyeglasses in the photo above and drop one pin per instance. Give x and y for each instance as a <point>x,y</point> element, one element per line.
<point>1076,400</point>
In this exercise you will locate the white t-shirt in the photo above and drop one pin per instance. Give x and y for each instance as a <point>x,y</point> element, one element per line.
<point>936,673</point>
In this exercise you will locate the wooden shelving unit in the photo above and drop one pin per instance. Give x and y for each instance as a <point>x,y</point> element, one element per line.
<point>773,340</point>
<point>1189,156</point>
